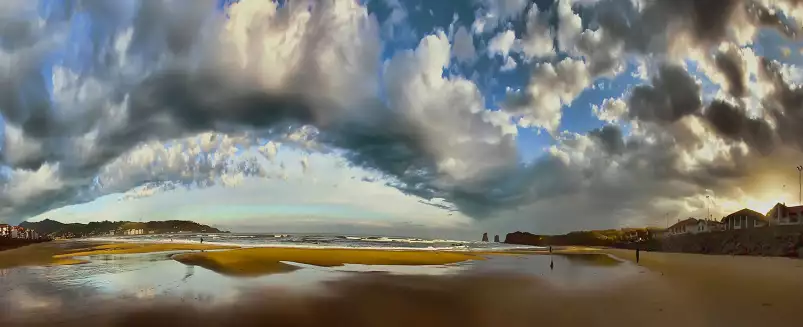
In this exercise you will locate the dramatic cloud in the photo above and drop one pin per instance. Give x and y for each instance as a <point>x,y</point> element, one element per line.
<point>149,97</point>
<point>672,95</point>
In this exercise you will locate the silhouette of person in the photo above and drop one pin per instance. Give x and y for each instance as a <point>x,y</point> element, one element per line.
<point>637,255</point>
<point>551,264</point>
<point>189,273</point>
<point>550,249</point>
<point>202,240</point>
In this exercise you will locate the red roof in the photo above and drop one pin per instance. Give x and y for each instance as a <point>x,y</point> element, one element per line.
<point>797,209</point>
<point>784,210</point>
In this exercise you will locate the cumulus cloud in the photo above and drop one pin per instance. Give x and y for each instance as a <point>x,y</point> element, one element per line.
<point>159,95</point>
<point>494,12</point>
<point>502,43</point>
<point>463,46</point>
<point>538,40</point>
<point>552,85</point>
<point>612,110</point>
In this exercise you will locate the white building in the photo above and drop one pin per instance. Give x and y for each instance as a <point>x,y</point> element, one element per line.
<point>688,226</point>
<point>30,234</point>
<point>5,230</point>
<point>782,215</point>
<point>707,226</point>
<point>134,232</point>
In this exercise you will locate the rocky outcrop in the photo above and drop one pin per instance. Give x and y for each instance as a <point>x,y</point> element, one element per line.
<point>524,239</point>
<point>496,238</point>
<point>485,237</point>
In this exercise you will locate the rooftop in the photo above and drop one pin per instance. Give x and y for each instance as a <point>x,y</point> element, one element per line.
<point>688,221</point>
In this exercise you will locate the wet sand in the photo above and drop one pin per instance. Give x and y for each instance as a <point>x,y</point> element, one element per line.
<point>67,252</point>
<point>505,290</point>
<point>259,261</point>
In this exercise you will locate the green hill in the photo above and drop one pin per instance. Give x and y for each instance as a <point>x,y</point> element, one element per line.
<point>54,228</point>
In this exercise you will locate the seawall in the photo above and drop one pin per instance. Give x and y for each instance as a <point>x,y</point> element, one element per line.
<point>781,241</point>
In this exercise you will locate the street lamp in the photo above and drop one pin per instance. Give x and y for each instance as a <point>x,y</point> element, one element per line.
<point>666,220</point>
<point>799,184</point>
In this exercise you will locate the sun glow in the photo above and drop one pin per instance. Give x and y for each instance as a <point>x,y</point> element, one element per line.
<point>761,204</point>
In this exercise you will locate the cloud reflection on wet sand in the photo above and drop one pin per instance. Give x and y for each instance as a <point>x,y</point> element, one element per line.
<point>505,291</point>
<point>360,300</point>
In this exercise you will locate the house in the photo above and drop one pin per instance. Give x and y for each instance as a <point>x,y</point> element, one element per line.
<point>17,232</point>
<point>5,230</point>
<point>782,215</point>
<point>29,234</point>
<point>134,232</point>
<point>707,226</point>
<point>744,219</point>
<point>688,226</point>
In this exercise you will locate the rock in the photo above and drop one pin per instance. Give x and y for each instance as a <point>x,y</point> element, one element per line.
<point>496,238</point>
<point>523,238</point>
<point>485,237</point>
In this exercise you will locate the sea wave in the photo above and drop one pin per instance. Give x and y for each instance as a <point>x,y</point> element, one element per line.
<point>319,242</point>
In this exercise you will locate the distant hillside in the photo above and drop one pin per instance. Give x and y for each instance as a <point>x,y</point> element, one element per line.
<point>609,237</point>
<point>54,228</point>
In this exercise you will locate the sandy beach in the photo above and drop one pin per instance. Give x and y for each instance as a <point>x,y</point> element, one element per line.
<point>147,284</point>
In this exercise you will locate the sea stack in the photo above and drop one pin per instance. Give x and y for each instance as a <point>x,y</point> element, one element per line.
<point>485,237</point>
<point>496,238</point>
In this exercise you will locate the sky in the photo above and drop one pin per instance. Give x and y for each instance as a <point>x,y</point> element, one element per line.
<point>399,117</point>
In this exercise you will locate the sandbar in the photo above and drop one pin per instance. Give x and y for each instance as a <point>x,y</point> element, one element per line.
<point>259,261</point>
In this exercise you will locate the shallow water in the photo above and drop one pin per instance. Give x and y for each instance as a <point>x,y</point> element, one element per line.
<point>157,276</point>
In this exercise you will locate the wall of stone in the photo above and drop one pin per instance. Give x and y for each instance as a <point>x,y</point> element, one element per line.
<point>784,241</point>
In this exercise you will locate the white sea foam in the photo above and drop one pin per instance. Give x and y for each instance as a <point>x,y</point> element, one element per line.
<point>391,269</point>
<point>319,242</point>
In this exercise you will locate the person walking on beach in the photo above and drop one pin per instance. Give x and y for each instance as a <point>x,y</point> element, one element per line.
<point>550,249</point>
<point>202,240</point>
<point>637,254</point>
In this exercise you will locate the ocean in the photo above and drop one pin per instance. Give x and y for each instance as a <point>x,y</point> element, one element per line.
<point>321,241</point>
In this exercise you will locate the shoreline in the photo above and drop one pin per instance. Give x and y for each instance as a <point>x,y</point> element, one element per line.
<point>663,289</point>
<point>240,260</point>
<point>504,247</point>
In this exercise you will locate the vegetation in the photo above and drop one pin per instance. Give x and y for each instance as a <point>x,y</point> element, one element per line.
<point>56,229</point>
<point>625,238</point>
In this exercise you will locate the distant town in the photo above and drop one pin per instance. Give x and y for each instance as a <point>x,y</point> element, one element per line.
<point>18,232</point>
<point>779,215</point>
<point>51,229</point>
<point>779,232</point>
